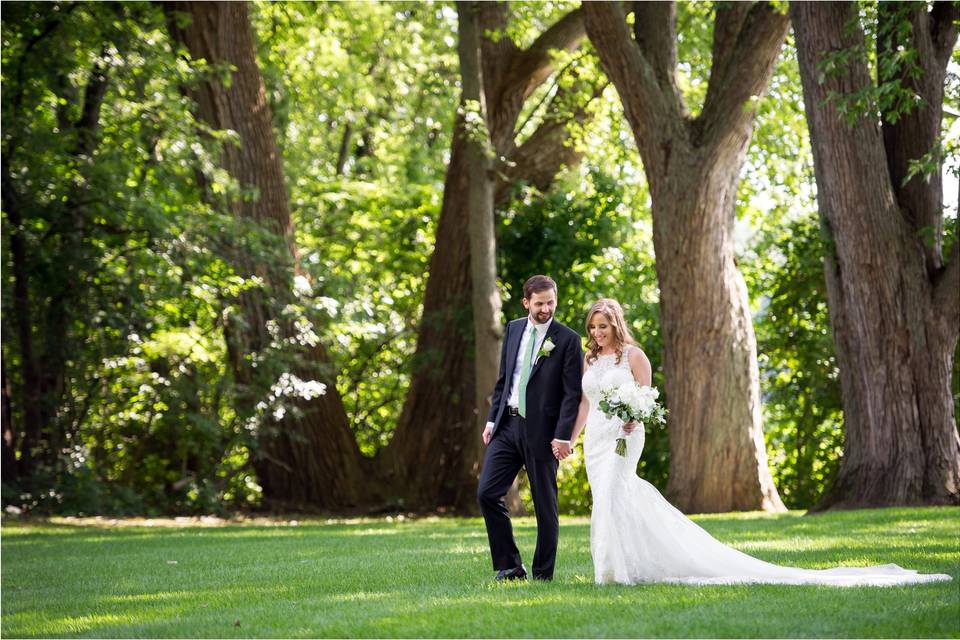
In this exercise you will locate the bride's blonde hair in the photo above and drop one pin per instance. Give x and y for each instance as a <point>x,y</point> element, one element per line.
<point>612,311</point>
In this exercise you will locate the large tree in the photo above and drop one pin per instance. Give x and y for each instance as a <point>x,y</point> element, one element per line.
<point>310,458</point>
<point>307,457</point>
<point>893,299</point>
<point>438,426</point>
<point>718,461</point>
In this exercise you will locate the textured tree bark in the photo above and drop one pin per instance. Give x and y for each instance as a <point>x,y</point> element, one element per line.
<point>437,429</point>
<point>893,304</point>
<point>710,360</point>
<point>487,325</point>
<point>718,460</point>
<point>309,458</point>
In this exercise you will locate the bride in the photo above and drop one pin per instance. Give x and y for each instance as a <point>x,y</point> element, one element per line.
<point>635,534</point>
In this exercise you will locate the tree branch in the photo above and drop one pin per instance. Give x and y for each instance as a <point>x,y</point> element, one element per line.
<point>745,72</point>
<point>532,66</point>
<point>943,29</point>
<point>496,52</point>
<point>547,98</point>
<point>726,32</point>
<point>46,31</point>
<point>646,107</point>
<point>548,95</point>
<point>538,160</point>
<point>88,123</point>
<point>655,30</point>
<point>911,133</point>
<point>51,25</point>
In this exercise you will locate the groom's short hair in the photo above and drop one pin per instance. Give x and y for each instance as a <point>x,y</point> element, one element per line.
<point>538,284</point>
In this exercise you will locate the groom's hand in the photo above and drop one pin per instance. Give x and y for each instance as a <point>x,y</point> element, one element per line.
<point>561,450</point>
<point>487,433</point>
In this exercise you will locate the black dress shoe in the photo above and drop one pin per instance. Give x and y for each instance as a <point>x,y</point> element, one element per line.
<point>517,573</point>
<point>540,576</point>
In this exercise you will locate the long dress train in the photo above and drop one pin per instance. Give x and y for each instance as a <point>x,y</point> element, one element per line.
<point>637,536</point>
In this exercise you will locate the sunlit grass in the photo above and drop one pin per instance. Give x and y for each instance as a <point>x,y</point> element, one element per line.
<point>432,578</point>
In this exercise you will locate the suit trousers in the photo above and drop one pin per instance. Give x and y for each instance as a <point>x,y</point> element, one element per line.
<point>507,452</point>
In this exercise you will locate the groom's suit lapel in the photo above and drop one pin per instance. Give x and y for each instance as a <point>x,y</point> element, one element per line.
<point>551,333</point>
<point>513,345</point>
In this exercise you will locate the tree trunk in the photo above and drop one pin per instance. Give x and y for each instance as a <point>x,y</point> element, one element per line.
<point>487,327</point>
<point>893,304</point>
<point>344,153</point>
<point>718,456</point>
<point>718,460</point>
<point>8,471</point>
<point>308,458</point>
<point>438,428</point>
<point>31,396</point>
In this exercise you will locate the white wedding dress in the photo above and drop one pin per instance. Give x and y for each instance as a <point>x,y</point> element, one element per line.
<point>637,536</point>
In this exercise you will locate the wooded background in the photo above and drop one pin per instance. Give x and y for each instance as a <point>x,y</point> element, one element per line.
<point>260,255</point>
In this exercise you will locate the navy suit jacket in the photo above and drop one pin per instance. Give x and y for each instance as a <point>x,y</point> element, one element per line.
<point>553,389</point>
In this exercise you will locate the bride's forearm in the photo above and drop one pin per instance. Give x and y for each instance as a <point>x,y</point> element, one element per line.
<point>577,430</point>
<point>581,421</point>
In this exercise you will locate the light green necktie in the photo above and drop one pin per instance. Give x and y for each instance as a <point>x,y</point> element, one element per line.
<point>525,371</point>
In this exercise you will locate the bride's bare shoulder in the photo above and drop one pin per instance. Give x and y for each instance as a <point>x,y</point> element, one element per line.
<point>639,364</point>
<point>634,351</point>
<point>636,354</point>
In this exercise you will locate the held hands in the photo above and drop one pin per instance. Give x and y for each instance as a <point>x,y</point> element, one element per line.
<point>561,450</point>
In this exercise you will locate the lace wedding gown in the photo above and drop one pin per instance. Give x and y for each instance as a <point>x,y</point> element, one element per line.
<point>637,536</point>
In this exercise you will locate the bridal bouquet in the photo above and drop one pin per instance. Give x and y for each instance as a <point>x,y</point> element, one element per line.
<point>630,401</point>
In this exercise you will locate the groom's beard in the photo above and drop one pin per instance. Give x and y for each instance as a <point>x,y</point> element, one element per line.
<point>543,317</point>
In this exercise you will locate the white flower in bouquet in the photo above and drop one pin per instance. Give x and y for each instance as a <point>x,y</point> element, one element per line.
<point>631,402</point>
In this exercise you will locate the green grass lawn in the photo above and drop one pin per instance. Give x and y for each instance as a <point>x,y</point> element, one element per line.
<point>432,578</point>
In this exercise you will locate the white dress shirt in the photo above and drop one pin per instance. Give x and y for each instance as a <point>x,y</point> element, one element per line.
<point>513,399</point>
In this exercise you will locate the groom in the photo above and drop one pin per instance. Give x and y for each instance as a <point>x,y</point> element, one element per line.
<point>535,404</point>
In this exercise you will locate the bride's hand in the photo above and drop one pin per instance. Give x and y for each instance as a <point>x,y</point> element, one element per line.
<point>629,427</point>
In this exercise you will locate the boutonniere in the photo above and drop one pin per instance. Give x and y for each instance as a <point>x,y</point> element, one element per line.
<point>546,348</point>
